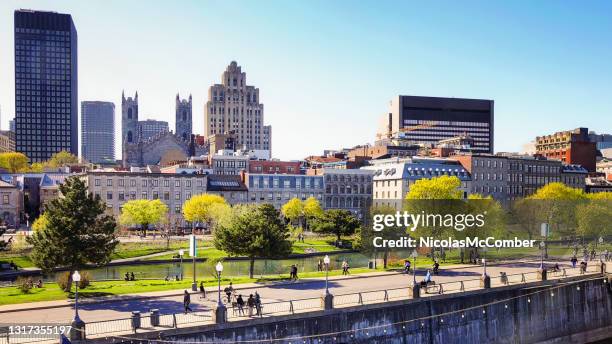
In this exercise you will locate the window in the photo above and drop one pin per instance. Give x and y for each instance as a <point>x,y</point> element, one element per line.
<point>144,183</point>
<point>177,183</point>
<point>144,195</point>
<point>121,182</point>
<point>97,182</point>
<point>109,195</point>
<point>177,209</point>
<point>121,196</point>
<point>5,199</point>
<point>166,183</point>
<point>155,195</point>
<point>166,196</point>
<point>177,196</point>
<point>109,182</point>
<point>133,182</point>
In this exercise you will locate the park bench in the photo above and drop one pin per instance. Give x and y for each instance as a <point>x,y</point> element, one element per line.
<point>431,288</point>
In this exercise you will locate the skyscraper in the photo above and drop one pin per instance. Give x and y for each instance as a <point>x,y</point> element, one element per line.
<point>98,131</point>
<point>45,84</point>
<point>234,107</point>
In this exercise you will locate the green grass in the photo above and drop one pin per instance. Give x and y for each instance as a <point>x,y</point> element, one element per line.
<point>51,291</point>
<point>136,249</point>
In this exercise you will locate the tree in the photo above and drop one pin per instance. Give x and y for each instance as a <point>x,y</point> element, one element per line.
<point>594,218</point>
<point>367,235</point>
<point>62,158</point>
<point>337,222</point>
<point>439,198</point>
<point>143,212</point>
<point>3,244</point>
<point>205,208</point>
<point>556,204</point>
<point>40,223</point>
<point>527,216</point>
<point>254,231</point>
<point>78,232</point>
<point>442,187</point>
<point>14,162</point>
<point>293,210</point>
<point>312,210</point>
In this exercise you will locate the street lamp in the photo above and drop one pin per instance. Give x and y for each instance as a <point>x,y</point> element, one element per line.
<point>542,244</point>
<point>219,268</point>
<point>414,255</point>
<point>326,262</point>
<point>220,314</point>
<point>77,323</point>
<point>484,261</point>
<point>181,253</point>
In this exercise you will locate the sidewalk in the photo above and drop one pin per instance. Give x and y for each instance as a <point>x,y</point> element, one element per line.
<point>175,292</point>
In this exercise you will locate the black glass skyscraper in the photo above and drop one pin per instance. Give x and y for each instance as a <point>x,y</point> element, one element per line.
<point>45,84</point>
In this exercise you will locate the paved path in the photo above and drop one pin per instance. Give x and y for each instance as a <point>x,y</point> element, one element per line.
<point>172,301</point>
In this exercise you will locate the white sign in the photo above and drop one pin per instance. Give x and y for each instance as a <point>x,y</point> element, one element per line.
<point>544,230</point>
<point>192,246</point>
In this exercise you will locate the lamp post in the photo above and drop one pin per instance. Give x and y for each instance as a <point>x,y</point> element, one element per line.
<point>326,262</point>
<point>77,324</point>
<point>181,253</point>
<point>328,299</point>
<point>485,280</point>
<point>542,270</point>
<point>220,314</point>
<point>415,291</point>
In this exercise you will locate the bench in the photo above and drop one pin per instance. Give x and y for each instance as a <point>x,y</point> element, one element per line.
<point>431,288</point>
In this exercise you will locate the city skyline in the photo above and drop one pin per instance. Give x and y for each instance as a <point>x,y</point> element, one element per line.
<point>545,71</point>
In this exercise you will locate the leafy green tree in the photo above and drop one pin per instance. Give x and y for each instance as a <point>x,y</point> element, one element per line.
<point>557,204</point>
<point>365,243</point>
<point>439,199</point>
<point>254,231</point>
<point>61,158</point>
<point>143,212</point>
<point>527,216</point>
<point>293,210</point>
<point>78,232</point>
<point>14,162</point>
<point>40,223</point>
<point>205,208</point>
<point>312,210</point>
<point>337,222</point>
<point>594,218</point>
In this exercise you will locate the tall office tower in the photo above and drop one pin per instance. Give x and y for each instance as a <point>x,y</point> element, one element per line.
<point>234,107</point>
<point>46,77</point>
<point>12,125</point>
<point>98,131</point>
<point>183,118</point>
<point>429,120</point>
<point>150,127</point>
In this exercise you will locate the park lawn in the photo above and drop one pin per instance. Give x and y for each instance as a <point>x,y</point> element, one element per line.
<point>136,249</point>
<point>51,291</point>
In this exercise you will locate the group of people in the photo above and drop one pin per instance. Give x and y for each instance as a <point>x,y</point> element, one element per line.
<point>253,303</point>
<point>129,276</point>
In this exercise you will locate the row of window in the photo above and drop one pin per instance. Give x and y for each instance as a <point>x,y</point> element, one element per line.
<point>150,182</point>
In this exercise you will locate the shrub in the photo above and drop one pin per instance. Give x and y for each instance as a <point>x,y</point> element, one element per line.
<point>24,284</point>
<point>63,278</point>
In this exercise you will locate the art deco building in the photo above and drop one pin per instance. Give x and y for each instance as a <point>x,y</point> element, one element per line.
<point>234,107</point>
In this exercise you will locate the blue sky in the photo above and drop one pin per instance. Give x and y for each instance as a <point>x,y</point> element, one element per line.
<point>327,70</point>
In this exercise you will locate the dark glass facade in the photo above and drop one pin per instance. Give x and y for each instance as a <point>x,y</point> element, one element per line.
<point>98,131</point>
<point>435,119</point>
<point>46,99</point>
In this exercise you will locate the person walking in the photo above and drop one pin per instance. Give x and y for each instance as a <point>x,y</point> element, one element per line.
<point>202,291</point>
<point>229,290</point>
<point>345,267</point>
<point>251,304</point>
<point>258,304</point>
<point>574,260</point>
<point>295,272</point>
<point>320,265</point>
<point>240,304</point>
<point>187,302</point>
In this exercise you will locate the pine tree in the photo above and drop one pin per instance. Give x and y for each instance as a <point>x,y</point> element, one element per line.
<point>78,231</point>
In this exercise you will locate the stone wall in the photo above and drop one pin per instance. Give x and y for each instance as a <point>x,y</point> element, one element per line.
<point>574,311</point>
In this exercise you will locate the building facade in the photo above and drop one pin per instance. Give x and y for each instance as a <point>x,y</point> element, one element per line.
<point>229,163</point>
<point>232,188</point>
<point>46,113</point>
<point>278,189</point>
<point>7,141</point>
<point>393,178</point>
<point>274,167</point>
<point>428,120</point>
<point>150,128</point>
<point>572,147</point>
<point>116,188</point>
<point>98,131</point>
<point>11,205</point>
<point>235,107</point>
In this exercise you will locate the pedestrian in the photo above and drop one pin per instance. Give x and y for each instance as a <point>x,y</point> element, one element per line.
<point>127,276</point>
<point>132,278</point>
<point>251,304</point>
<point>187,302</point>
<point>240,304</point>
<point>202,290</point>
<point>574,260</point>
<point>258,303</point>
<point>345,267</point>
<point>229,290</point>
<point>407,266</point>
<point>461,254</point>
<point>320,265</point>
<point>295,272</point>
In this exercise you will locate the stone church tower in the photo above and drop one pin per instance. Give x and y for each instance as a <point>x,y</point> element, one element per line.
<point>129,119</point>
<point>183,118</point>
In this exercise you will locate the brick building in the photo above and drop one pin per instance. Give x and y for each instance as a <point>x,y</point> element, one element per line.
<point>572,147</point>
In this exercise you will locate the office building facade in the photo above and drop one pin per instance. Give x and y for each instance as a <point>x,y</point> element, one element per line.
<point>234,107</point>
<point>428,120</point>
<point>98,131</point>
<point>46,86</point>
